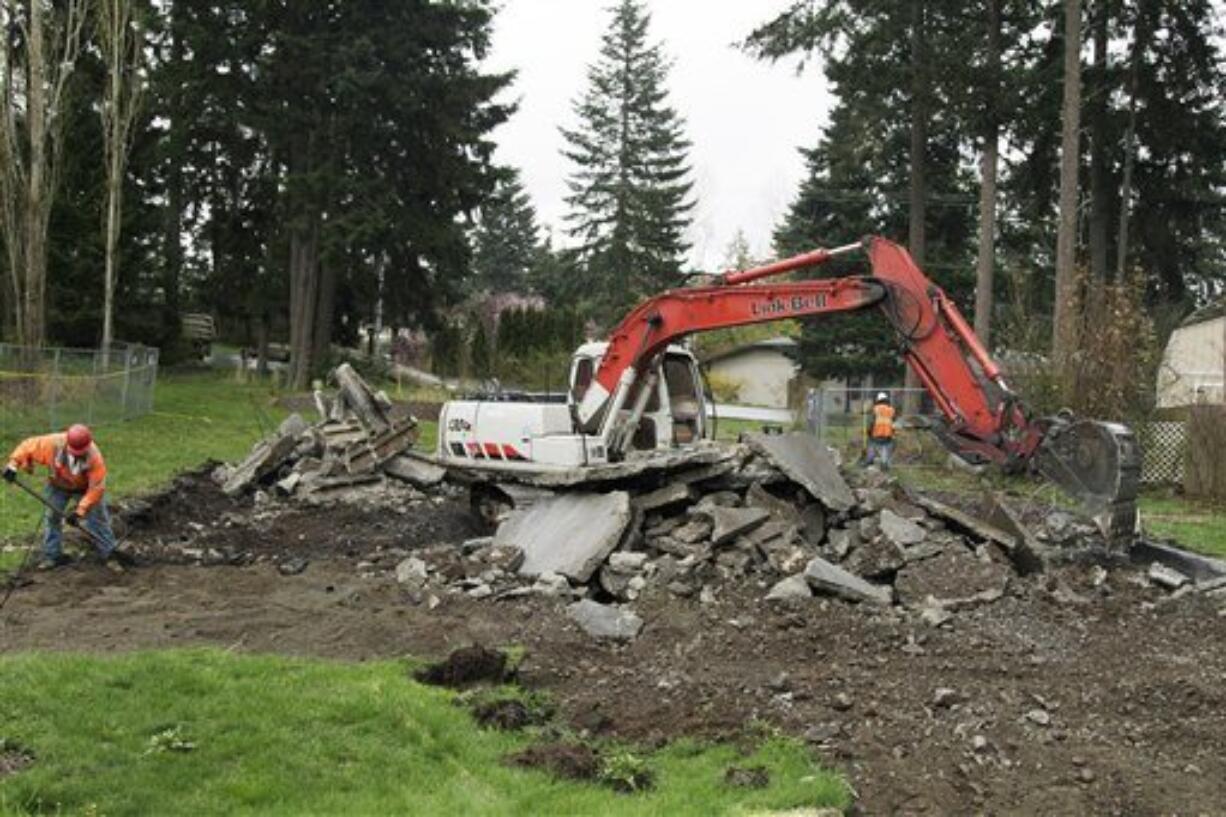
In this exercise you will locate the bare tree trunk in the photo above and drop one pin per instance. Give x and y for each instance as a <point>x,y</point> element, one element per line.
<point>1064,329</point>
<point>304,297</point>
<point>1141,35</point>
<point>29,163</point>
<point>988,162</point>
<point>321,342</point>
<point>122,43</point>
<point>1100,195</point>
<point>917,212</point>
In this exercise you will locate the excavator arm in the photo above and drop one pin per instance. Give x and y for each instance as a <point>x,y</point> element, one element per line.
<point>1095,462</point>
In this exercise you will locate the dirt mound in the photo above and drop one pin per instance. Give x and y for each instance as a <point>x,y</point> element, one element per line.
<point>465,667</point>
<point>13,758</point>
<point>507,714</point>
<point>570,761</point>
<point>753,777</point>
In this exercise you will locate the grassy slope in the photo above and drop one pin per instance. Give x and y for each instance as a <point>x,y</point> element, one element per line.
<point>287,736</point>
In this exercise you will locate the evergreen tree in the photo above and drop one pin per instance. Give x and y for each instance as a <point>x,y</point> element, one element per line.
<point>506,242</point>
<point>630,189</point>
<point>860,176</point>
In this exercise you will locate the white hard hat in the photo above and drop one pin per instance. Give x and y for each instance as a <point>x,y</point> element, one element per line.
<point>882,397</point>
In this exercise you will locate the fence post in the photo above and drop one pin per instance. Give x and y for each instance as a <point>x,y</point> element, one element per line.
<point>55,385</point>
<point>127,379</point>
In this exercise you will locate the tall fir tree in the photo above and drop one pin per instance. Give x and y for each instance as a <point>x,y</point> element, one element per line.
<point>506,241</point>
<point>630,190</point>
<point>860,178</point>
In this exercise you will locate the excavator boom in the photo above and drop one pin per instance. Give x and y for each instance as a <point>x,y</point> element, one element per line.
<point>1097,463</point>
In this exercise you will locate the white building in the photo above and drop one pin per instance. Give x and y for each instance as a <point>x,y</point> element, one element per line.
<point>1193,366</point>
<point>763,371</point>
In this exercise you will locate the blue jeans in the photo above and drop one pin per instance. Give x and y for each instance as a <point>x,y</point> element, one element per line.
<point>97,522</point>
<point>880,451</point>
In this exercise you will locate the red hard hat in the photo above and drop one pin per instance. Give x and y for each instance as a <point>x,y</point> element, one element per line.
<point>79,439</point>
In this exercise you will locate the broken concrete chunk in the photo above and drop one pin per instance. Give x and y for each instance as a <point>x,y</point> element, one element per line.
<point>627,562</point>
<point>412,572</point>
<point>825,577</point>
<point>696,530</point>
<point>551,584</point>
<point>730,523</point>
<point>840,542</point>
<point>570,534</point>
<point>758,497</point>
<point>1165,576</point>
<point>672,494</point>
<point>604,621</point>
<point>899,530</point>
<point>287,486</point>
<point>966,522</point>
<point>292,426</point>
<point>876,559</point>
<point>793,587</point>
<point>813,523</point>
<point>417,472</point>
<point>264,459</point>
<point>806,461</point>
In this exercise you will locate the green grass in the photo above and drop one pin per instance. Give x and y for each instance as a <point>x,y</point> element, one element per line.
<point>1200,526</point>
<point>272,735</point>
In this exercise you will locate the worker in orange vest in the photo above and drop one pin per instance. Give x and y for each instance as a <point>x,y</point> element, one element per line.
<point>881,433</point>
<point>76,469</point>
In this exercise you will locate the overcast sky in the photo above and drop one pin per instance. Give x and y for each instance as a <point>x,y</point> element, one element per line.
<point>746,119</point>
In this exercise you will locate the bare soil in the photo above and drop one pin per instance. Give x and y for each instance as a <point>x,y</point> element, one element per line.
<point>570,761</point>
<point>13,761</point>
<point>1070,695</point>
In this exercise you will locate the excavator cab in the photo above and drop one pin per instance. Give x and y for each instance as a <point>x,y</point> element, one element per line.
<point>673,411</point>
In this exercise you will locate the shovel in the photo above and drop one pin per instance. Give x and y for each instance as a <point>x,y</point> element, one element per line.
<point>122,558</point>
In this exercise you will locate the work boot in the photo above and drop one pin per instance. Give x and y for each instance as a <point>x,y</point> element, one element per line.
<point>113,565</point>
<point>49,563</point>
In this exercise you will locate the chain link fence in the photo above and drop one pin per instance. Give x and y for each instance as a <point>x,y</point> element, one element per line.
<point>43,389</point>
<point>1164,450</point>
<point>840,417</point>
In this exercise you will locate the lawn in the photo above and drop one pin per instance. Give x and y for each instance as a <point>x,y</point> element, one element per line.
<point>208,732</point>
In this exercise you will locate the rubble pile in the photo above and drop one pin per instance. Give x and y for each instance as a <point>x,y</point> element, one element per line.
<point>774,510</point>
<point>355,442</point>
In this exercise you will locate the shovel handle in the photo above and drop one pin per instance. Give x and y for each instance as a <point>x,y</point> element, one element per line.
<point>61,514</point>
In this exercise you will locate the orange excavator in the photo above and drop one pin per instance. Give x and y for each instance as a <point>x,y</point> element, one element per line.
<point>639,391</point>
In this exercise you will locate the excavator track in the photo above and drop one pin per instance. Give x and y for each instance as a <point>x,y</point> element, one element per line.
<point>1099,464</point>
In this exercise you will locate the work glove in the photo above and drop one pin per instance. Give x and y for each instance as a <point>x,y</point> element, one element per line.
<point>73,520</point>
<point>10,473</point>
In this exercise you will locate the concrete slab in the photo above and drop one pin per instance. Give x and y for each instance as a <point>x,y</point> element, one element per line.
<point>568,534</point>
<point>806,461</point>
<point>1199,568</point>
<point>732,522</point>
<point>417,472</point>
<point>900,530</point>
<point>793,587</point>
<point>604,621</point>
<point>674,493</point>
<point>825,577</point>
<point>965,522</point>
<point>265,458</point>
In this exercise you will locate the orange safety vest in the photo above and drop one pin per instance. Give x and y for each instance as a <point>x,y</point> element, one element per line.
<point>883,422</point>
<point>51,450</point>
